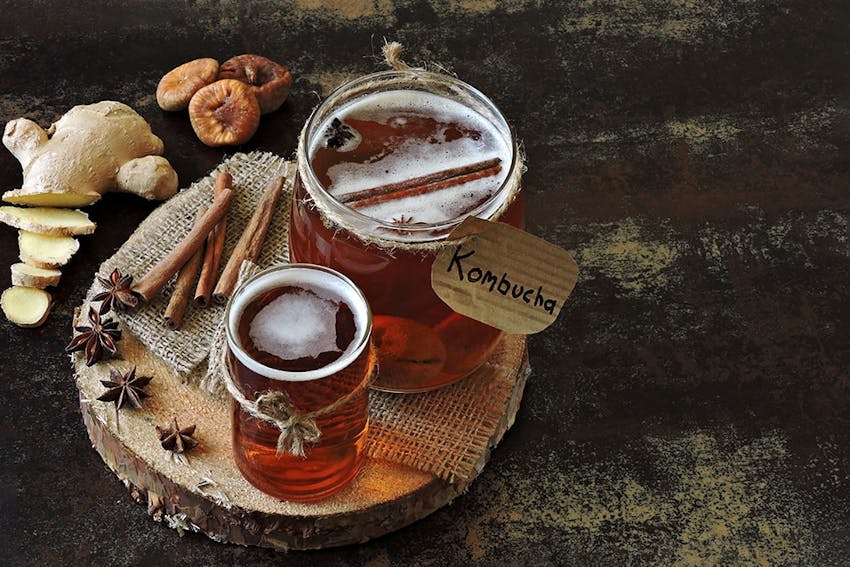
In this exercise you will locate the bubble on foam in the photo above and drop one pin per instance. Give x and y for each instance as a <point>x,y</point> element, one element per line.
<point>296,325</point>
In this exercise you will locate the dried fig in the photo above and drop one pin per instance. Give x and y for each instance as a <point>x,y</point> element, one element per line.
<point>177,87</point>
<point>224,113</point>
<point>269,80</point>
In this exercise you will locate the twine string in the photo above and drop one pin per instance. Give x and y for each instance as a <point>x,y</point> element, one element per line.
<point>392,56</point>
<point>274,407</point>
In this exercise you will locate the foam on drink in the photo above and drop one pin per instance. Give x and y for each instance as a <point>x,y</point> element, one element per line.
<point>309,329</point>
<point>403,134</point>
<point>298,324</point>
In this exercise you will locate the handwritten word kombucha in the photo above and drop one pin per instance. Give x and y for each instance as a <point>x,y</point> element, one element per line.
<point>390,172</point>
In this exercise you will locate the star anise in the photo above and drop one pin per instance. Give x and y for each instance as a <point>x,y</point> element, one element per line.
<point>338,134</point>
<point>116,292</point>
<point>402,219</point>
<point>175,439</point>
<point>95,338</point>
<point>125,389</point>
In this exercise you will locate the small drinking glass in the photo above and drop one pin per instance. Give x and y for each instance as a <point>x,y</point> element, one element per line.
<point>299,362</point>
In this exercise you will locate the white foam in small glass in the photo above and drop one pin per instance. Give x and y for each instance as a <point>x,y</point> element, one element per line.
<point>325,282</point>
<point>311,328</point>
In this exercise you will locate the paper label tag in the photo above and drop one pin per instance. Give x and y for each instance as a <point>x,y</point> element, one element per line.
<point>503,276</point>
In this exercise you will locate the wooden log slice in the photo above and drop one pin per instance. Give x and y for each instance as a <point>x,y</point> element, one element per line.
<point>206,492</point>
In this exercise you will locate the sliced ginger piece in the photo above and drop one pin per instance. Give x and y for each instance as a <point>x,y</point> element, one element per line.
<point>32,276</point>
<point>46,251</point>
<point>48,220</point>
<point>25,306</point>
<point>50,198</point>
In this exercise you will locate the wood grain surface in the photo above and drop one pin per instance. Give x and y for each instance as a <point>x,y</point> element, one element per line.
<point>203,491</point>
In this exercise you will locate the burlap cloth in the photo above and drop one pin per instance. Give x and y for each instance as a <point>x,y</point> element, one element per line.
<point>186,348</point>
<point>444,432</point>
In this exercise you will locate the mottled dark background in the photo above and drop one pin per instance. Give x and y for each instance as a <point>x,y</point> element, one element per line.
<point>691,403</point>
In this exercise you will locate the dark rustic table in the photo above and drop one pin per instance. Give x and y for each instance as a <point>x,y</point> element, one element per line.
<point>691,403</point>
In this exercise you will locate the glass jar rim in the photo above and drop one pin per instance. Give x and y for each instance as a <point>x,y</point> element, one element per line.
<point>362,338</point>
<point>444,226</point>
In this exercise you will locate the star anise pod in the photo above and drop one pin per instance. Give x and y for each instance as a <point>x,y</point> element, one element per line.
<point>125,389</point>
<point>116,292</point>
<point>175,439</point>
<point>95,338</point>
<point>338,134</point>
<point>402,219</point>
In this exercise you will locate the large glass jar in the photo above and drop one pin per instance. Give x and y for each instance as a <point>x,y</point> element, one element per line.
<point>388,165</point>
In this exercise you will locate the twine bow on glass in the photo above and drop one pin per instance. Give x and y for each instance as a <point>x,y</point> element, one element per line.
<point>296,428</point>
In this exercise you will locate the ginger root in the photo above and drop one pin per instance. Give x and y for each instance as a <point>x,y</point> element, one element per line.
<point>45,250</point>
<point>48,220</point>
<point>25,306</point>
<point>90,150</point>
<point>32,276</point>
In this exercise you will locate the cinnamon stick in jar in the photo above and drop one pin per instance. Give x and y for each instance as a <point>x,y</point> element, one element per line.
<point>214,248</point>
<point>423,184</point>
<point>153,282</point>
<point>183,286</point>
<point>251,241</point>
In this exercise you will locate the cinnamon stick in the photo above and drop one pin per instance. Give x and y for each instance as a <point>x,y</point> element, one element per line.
<point>415,190</point>
<point>151,284</point>
<point>213,249</point>
<point>251,241</point>
<point>183,286</point>
<point>399,187</point>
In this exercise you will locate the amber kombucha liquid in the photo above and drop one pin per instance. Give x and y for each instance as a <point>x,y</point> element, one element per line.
<point>336,458</point>
<point>422,343</point>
